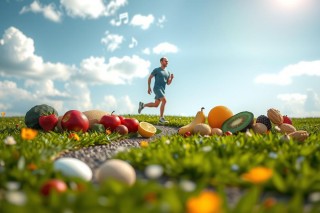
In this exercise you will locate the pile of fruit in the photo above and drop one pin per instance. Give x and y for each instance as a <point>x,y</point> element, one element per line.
<point>221,121</point>
<point>44,117</point>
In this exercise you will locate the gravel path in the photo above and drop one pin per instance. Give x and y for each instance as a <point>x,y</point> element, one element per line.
<point>94,156</point>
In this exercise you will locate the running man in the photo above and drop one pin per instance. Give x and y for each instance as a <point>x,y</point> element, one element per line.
<point>162,78</point>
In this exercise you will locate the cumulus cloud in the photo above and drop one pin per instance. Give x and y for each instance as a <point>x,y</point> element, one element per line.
<point>116,71</point>
<point>122,105</point>
<point>45,89</point>
<point>286,75</point>
<point>80,96</point>
<point>312,103</point>
<point>164,48</point>
<point>112,41</point>
<point>300,105</point>
<point>75,95</point>
<point>17,101</point>
<point>146,51</point>
<point>142,21</point>
<point>17,59</point>
<point>161,21</point>
<point>113,6</point>
<point>91,9</point>
<point>48,11</point>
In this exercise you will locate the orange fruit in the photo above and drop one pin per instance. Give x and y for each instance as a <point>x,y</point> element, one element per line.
<point>218,115</point>
<point>146,129</point>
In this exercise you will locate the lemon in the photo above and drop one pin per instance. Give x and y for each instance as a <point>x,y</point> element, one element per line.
<point>146,129</point>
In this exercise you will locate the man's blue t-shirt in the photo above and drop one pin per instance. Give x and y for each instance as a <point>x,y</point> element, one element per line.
<point>161,78</point>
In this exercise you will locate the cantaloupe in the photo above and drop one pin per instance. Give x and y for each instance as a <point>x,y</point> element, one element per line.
<point>94,116</point>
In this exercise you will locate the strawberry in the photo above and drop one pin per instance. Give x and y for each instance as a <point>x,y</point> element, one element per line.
<point>48,122</point>
<point>287,120</point>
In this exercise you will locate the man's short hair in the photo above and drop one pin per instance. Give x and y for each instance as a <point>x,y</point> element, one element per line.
<point>161,59</point>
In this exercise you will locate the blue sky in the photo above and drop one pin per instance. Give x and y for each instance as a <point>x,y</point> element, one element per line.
<point>248,55</point>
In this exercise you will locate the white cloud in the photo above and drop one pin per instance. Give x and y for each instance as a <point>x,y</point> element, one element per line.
<point>95,70</point>
<point>80,96</point>
<point>164,48</point>
<point>121,105</point>
<point>17,59</point>
<point>48,11</point>
<point>45,89</point>
<point>84,8</point>
<point>286,75</point>
<point>146,51</point>
<point>161,21</point>
<point>300,105</point>
<point>113,6</point>
<point>312,103</point>
<point>76,95</point>
<point>19,100</point>
<point>91,8</point>
<point>112,41</point>
<point>292,97</point>
<point>142,21</point>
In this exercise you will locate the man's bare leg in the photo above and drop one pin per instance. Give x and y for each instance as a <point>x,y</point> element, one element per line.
<point>162,106</point>
<point>153,104</point>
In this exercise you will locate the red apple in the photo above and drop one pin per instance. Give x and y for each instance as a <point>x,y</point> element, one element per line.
<point>75,120</point>
<point>48,122</point>
<point>110,121</point>
<point>287,120</point>
<point>121,118</point>
<point>58,186</point>
<point>132,124</point>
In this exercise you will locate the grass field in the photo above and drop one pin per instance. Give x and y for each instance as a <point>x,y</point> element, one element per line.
<point>199,173</point>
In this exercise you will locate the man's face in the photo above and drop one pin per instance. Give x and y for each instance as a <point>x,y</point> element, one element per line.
<point>164,62</point>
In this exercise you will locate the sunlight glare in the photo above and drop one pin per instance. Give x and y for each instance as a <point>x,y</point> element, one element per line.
<point>289,4</point>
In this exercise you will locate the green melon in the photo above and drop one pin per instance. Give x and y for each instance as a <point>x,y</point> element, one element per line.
<point>94,116</point>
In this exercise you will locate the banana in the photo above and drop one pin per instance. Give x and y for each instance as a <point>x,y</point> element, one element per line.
<point>200,118</point>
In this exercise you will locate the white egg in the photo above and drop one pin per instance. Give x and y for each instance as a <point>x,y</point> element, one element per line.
<point>73,167</point>
<point>118,170</point>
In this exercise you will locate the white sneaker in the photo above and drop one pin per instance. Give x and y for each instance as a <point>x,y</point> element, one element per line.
<point>140,107</point>
<point>162,120</point>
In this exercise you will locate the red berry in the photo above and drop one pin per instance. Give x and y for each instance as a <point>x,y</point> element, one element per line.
<point>187,134</point>
<point>228,133</point>
<point>287,120</point>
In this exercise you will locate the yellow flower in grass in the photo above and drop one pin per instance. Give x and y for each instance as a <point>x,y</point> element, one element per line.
<point>3,114</point>
<point>144,144</point>
<point>28,133</point>
<point>205,202</point>
<point>74,136</point>
<point>108,131</point>
<point>257,175</point>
